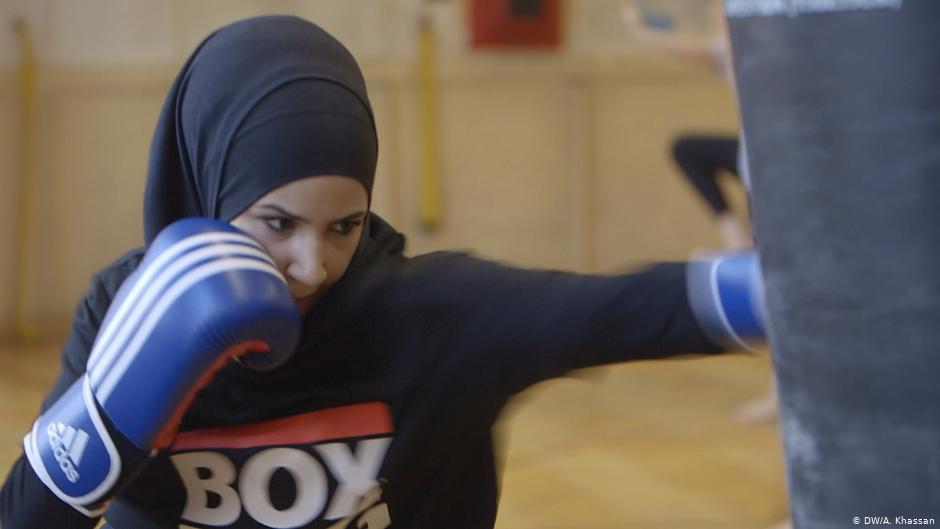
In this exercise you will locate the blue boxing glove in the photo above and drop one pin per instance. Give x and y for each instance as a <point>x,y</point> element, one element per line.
<point>726,293</point>
<point>204,293</point>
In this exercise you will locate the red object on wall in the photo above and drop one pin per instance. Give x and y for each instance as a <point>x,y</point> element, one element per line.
<point>515,23</point>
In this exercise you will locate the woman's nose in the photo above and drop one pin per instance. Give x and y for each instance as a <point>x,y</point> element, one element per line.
<point>308,266</point>
<point>311,275</point>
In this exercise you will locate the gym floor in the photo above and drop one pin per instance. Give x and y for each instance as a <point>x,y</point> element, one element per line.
<point>647,445</point>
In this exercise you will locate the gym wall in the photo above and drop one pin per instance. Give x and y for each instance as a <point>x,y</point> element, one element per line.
<point>547,158</point>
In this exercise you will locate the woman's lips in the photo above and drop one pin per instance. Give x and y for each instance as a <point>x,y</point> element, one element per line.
<point>304,302</point>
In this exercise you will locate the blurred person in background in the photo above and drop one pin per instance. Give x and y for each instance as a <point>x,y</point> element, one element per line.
<point>704,158</point>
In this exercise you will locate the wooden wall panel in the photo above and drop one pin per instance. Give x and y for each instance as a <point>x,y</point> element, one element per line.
<point>545,161</point>
<point>91,208</point>
<point>9,106</point>
<point>646,209</point>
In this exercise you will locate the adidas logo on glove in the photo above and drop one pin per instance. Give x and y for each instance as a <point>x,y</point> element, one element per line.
<point>68,445</point>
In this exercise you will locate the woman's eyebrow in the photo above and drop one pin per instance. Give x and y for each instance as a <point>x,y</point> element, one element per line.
<point>282,211</point>
<point>351,216</point>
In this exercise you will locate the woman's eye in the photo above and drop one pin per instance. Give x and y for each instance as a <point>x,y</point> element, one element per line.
<point>278,224</point>
<point>346,226</point>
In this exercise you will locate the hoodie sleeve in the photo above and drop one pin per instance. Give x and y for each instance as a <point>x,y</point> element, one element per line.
<point>517,326</point>
<point>25,502</point>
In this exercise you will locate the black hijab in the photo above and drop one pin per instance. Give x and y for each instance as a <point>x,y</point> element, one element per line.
<point>260,103</point>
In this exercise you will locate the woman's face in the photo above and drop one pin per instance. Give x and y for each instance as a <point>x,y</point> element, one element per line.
<point>311,228</point>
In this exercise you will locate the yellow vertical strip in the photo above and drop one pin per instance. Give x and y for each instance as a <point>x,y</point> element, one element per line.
<point>25,181</point>
<point>429,213</point>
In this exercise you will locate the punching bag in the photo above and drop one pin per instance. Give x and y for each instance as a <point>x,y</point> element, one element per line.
<point>840,103</point>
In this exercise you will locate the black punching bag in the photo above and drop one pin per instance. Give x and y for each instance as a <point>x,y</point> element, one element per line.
<point>840,104</point>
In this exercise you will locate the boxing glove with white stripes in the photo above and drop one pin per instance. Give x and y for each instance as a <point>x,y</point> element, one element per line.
<point>204,293</point>
<point>727,296</point>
